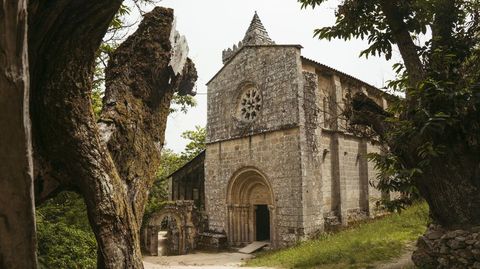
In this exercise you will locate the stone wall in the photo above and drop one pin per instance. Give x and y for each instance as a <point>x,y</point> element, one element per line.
<point>374,194</point>
<point>276,155</point>
<point>270,143</point>
<point>345,171</point>
<point>298,141</point>
<point>312,196</point>
<point>274,71</point>
<point>452,249</point>
<point>345,176</point>
<point>182,223</point>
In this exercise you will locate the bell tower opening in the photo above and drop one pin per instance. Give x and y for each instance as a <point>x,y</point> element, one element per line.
<point>262,223</point>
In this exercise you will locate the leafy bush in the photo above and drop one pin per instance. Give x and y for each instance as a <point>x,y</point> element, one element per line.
<point>63,246</point>
<point>65,239</point>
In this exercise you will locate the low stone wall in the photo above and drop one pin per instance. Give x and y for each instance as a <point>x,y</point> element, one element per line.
<point>212,241</point>
<point>356,215</point>
<point>442,248</point>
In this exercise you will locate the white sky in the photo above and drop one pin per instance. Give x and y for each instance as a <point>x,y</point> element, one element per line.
<point>211,26</point>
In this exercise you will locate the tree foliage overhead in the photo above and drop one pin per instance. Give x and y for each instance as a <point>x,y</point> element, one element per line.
<point>197,142</point>
<point>171,162</point>
<point>433,133</point>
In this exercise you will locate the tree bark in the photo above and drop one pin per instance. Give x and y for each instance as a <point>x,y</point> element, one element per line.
<point>70,149</point>
<point>17,219</point>
<point>140,82</point>
<point>65,133</point>
<point>452,189</point>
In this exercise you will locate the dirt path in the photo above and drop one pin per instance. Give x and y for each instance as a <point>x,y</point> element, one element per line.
<point>402,262</point>
<point>229,260</point>
<point>224,260</point>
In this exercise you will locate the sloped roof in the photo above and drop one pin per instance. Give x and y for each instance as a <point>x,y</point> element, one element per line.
<point>199,157</point>
<point>333,70</point>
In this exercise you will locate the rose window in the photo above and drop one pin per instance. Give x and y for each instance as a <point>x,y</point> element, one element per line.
<point>250,104</point>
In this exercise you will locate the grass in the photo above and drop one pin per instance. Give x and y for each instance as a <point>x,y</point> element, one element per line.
<point>361,246</point>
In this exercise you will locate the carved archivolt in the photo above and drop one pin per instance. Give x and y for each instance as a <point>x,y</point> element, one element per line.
<point>247,189</point>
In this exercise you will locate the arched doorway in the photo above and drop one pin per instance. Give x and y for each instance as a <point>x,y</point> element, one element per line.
<point>163,236</point>
<point>176,222</point>
<point>250,208</point>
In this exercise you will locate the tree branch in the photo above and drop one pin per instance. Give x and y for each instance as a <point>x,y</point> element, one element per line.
<point>404,41</point>
<point>366,112</point>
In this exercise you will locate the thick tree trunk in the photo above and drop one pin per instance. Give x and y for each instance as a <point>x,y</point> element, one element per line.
<point>452,190</point>
<point>17,219</point>
<point>64,128</point>
<point>450,184</point>
<point>140,82</point>
<point>60,65</point>
<point>70,150</point>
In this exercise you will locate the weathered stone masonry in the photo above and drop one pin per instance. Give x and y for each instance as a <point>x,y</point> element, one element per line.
<point>280,163</point>
<point>310,166</point>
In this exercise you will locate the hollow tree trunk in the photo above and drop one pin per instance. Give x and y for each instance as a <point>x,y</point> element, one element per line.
<point>17,221</point>
<point>70,149</point>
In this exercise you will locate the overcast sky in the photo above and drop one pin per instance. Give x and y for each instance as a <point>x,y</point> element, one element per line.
<point>211,26</point>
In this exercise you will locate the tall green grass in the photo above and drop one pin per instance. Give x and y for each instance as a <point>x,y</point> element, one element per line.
<point>358,247</point>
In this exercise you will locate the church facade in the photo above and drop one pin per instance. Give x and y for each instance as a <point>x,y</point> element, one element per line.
<point>280,164</point>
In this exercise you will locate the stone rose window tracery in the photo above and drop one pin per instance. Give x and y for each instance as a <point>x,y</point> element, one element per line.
<point>250,104</point>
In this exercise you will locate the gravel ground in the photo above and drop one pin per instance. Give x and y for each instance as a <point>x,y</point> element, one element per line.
<point>223,260</point>
<point>228,260</point>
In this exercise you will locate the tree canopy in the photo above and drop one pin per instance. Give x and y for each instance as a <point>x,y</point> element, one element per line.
<point>433,133</point>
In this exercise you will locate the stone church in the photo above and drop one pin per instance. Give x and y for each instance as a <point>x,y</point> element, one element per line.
<point>280,164</point>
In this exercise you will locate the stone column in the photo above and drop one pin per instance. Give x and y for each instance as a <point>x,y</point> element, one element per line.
<point>245,224</point>
<point>251,229</point>
<point>342,155</point>
<point>337,140</point>
<point>273,237</point>
<point>363,173</point>
<point>230,223</point>
<point>241,228</point>
<point>236,229</point>
<point>153,241</point>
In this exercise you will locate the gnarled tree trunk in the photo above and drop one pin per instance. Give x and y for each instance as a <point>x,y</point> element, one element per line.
<point>450,185</point>
<point>112,166</point>
<point>449,178</point>
<point>17,221</point>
